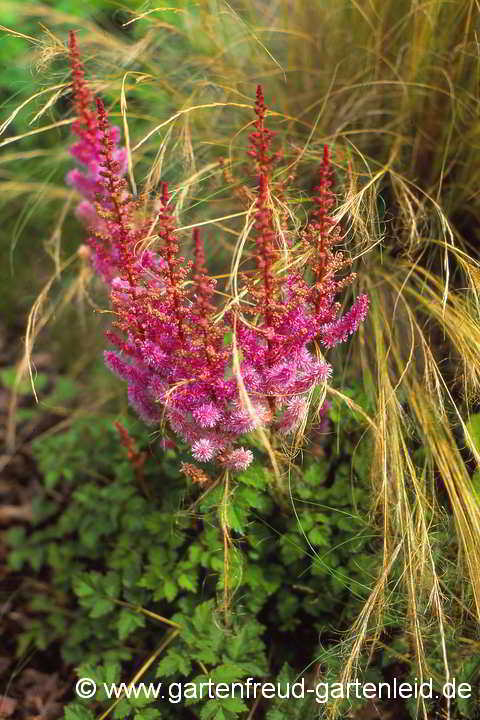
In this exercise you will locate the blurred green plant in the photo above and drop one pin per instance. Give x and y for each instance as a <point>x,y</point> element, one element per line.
<point>394,86</point>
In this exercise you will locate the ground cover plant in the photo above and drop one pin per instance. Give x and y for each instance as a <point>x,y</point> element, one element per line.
<point>361,538</point>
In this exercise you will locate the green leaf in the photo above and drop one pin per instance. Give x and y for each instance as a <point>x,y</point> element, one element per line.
<point>83,588</point>
<point>75,711</point>
<point>476,484</point>
<point>187,582</point>
<point>248,641</point>
<point>147,714</point>
<point>16,536</point>
<point>229,673</point>
<point>473,427</point>
<point>316,474</point>
<point>173,662</point>
<point>256,476</point>
<point>223,709</point>
<point>122,710</point>
<point>51,478</point>
<point>170,590</point>
<point>127,622</point>
<point>318,536</point>
<point>212,499</point>
<point>101,607</point>
<point>111,584</point>
<point>25,414</point>
<point>291,548</point>
<point>8,377</point>
<point>195,553</point>
<point>203,616</point>
<point>111,672</point>
<point>259,500</point>
<point>236,517</point>
<point>35,557</point>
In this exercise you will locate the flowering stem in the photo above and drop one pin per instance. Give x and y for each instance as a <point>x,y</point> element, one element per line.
<point>171,351</point>
<point>171,251</point>
<point>114,185</point>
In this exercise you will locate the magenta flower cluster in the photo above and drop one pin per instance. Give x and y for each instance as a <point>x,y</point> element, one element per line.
<point>169,344</point>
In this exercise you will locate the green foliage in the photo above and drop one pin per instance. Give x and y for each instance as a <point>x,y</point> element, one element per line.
<point>116,551</point>
<point>473,427</point>
<point>78,712</point>
<point>123,552</point>
<point>137,564</point>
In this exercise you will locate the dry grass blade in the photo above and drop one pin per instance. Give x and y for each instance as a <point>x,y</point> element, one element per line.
<point>20,107</point>
<point>397,90</point>
<point>38,318</point>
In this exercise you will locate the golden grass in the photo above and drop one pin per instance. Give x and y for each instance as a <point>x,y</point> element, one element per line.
<point>393,85</point>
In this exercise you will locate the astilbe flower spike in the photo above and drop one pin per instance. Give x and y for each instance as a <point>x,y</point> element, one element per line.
<point>169,342</point>
<point>88,150</point>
